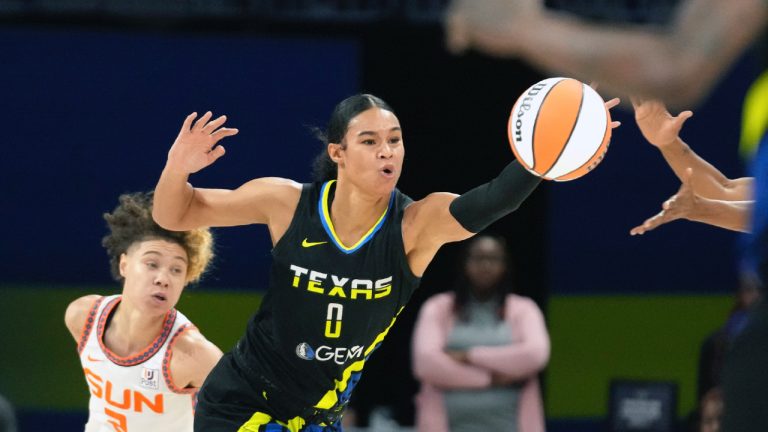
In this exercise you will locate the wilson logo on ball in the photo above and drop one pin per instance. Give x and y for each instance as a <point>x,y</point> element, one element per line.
<point>559,129</point>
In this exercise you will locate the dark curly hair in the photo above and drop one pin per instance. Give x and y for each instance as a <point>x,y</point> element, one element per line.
<point>131,222</point>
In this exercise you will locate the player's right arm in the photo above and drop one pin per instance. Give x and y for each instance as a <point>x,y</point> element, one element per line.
<point>662,130</point>
<point>76,314</point>
<point>179,206</point>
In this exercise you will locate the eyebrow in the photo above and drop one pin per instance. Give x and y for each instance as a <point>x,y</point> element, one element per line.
<point>394,129</point>
<point>158,253</point>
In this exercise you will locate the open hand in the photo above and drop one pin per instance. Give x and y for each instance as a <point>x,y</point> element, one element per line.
<point>196,146</point>
<point>658,126</point>
<point>680,206</point>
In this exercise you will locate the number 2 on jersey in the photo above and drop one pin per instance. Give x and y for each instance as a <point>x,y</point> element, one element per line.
<point>333,320</point>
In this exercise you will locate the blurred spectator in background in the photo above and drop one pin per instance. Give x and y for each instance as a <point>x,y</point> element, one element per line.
<point>711,411</point>
<point>7,416</point>
<point>715,346</point>
<point>477,351</point>
<point>678,62</point>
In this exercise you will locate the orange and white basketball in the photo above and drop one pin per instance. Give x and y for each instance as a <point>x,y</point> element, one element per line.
<point>559,129</point>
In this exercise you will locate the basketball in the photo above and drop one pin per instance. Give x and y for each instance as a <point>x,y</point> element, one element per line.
<point>559,129</point>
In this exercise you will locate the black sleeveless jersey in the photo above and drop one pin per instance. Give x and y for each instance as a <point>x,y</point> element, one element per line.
<point>329,305</point>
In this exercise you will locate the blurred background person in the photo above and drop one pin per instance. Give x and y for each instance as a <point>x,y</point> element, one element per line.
<point>717,343</point>
<point>477,350</point>
<point>7,416</point>
<point>678,62</point>
<point>711,411</point>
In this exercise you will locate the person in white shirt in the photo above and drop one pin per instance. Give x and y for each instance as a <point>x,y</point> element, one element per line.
<point>143,360</point>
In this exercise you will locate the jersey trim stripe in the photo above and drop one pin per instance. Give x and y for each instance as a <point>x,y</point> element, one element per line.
<point>167,362</point>
<point>144,355</point>
<point>331,397</point>
<point>88,326</point>
<point>325,218</point>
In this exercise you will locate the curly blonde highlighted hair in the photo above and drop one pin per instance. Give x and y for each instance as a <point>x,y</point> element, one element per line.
<point>131,222</point>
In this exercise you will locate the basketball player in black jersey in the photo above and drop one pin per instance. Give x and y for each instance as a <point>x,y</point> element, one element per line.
<point>348,252</point>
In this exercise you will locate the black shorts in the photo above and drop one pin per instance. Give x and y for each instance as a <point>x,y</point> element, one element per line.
<point>745,377</point>
<point>230,401</point>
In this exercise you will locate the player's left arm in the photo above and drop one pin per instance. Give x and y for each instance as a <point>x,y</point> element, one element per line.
<point>442,217</point>
<point>192,359</point>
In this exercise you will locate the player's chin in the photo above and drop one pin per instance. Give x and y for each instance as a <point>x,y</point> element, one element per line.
<point>386,182</point>
<point>159,304</point>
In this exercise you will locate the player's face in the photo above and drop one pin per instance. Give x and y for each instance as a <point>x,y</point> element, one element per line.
<point>155,274</point>
<point>373,156</point>
<point>485,265</point>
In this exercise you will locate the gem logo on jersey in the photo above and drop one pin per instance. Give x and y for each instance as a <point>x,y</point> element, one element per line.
<point>339,355</point>
<point>150,378</point>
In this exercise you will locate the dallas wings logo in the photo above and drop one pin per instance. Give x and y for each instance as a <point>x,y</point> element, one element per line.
<point>304,351</point>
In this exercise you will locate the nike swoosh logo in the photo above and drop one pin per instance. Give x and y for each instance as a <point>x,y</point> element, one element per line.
<point>93,359</point>
<point>307,244</point>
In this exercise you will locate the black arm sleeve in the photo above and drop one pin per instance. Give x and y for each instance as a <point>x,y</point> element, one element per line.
<point>487,203</point>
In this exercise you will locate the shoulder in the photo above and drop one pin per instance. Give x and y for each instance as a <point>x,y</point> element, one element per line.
<point>277,187</point>
<point>431,203</point>
<point>193,357</point>
<point>77,313</point>
<point>191,343</point>
<point>438,304</point>
<point>270,200</point>
<point>517,305</point>
<point>427,221</point>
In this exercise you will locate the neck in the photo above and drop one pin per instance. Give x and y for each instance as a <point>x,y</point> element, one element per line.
<point>354,212</point>
<point>130,330</point>
<point>484,296</point>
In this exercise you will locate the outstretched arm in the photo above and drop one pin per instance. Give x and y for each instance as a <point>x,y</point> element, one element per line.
<point>178,206</point>
<point>685,204</point>
<point>662,130</point>
<point>679,63</point>
<point>441,218</point>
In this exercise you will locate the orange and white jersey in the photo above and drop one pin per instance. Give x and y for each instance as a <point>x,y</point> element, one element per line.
<point>137,393</point>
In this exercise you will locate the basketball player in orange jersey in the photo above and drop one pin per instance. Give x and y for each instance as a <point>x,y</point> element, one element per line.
<point>143,360</point>
<point>348,252</point>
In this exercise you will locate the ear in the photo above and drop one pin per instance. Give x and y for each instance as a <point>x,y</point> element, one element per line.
<point>335,152</point>
<point>123,264</point>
